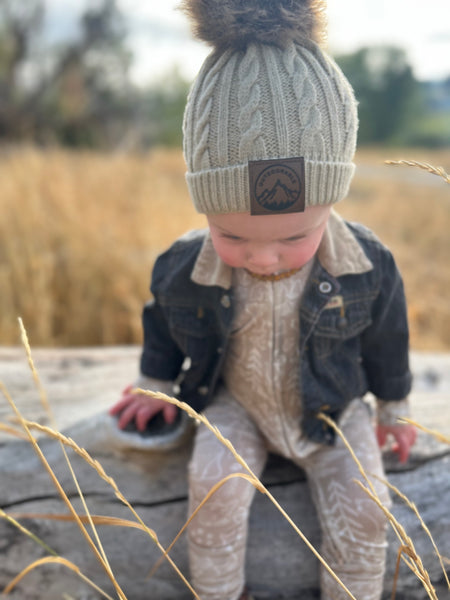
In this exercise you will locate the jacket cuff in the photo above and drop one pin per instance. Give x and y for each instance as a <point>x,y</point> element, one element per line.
<point>388,413</point>
<point>164,367</point>
<point>392,387</point>
<point>155,385</point>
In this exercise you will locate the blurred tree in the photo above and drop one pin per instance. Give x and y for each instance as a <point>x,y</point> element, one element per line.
<point>77,95</point>
<point>388,94</point>
<point>20,23</point>
<point>161,109</point>
<point>92,85</point>
<point>433,129</point>
<point>80,93</point>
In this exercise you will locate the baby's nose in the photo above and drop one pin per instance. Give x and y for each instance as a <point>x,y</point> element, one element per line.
<point>263,257</point>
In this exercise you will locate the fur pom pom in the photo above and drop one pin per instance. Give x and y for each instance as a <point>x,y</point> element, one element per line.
<point>236,23</point>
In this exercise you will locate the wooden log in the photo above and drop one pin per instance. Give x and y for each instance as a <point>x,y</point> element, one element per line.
<point>279,564</point>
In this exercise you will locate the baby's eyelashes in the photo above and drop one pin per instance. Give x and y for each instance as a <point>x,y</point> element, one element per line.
<point>233,238</point>
<point>291,240</point>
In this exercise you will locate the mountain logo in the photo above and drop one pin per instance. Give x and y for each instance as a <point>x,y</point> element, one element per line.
<point>277,186</point>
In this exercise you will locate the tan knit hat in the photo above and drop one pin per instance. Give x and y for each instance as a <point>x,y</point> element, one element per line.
<point>267,92</point>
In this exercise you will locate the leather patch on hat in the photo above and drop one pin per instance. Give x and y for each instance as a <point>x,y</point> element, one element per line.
<point>277,186</point>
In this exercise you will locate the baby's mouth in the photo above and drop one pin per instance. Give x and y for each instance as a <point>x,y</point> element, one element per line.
<point>275,276</point>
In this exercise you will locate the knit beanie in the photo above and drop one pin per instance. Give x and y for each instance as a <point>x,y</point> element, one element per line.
<point>270,122</point>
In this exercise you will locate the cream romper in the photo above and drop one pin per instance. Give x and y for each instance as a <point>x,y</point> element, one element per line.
<point>259,410</point>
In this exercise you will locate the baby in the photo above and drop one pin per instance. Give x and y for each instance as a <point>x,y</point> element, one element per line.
<point>280,310</point>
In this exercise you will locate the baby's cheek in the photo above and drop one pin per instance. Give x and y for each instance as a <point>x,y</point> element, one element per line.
<point>229,254</point>
<point>233,259</point>
<point>307,251</point>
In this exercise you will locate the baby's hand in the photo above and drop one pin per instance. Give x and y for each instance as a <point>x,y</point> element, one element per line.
<point>141,408</point>
<point>404,435</point>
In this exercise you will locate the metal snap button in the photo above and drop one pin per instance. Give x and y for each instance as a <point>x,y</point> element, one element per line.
<point>187,363</point>
<point>203,390</point>
<point>325,287</point>
<point>225,301</point>
<point>176,389</point>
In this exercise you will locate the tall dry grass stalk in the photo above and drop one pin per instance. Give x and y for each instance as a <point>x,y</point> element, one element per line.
<point>412,217</point>
<point>439,171</point>
<point>96,548</point>
<point>79,233</point>
<point>78,236</point>
<point>59,560</point>
<point>443,439</point>
<point>65,499</point>
<point>406,552</point>
<point>406,548</point>
<point>252,478</point>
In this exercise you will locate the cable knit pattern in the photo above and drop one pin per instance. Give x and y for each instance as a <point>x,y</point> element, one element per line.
<point>312,140</point>
<point>333,105</point>
<point>264,102</point>
<point>249,95</point>
<point>203,108</point>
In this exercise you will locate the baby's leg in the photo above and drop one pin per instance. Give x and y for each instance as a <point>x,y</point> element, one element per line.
<point>353,527</point>
<point>218,534</point>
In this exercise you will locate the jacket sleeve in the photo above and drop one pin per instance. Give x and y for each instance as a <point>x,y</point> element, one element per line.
<point>388,413</point>
<point>385,343</point>
<point>161,358</point>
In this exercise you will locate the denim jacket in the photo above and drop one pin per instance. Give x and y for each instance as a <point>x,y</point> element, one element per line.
<point>353,332</point>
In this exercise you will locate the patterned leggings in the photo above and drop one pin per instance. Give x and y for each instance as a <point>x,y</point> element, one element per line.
<point>353,527</point>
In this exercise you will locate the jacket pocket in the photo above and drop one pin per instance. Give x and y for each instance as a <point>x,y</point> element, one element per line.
<point>336,326</point>
<point>193,330</point>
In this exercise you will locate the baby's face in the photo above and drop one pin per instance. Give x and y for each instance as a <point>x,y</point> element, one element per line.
<point>268,244</point>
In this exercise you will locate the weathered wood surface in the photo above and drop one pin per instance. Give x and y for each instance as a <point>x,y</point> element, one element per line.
<point>82,383</point>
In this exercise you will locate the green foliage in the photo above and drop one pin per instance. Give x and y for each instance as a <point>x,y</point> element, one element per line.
<point>388,94</point>
<point>162,108</point>
<point>432,130</point>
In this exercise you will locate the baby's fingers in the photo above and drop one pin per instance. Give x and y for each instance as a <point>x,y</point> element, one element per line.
<point>405,436</point>
<point>381,437</point>
<point>128,414</point>
<point>401,447</point>
<point>170,412</point>
<point>144,414</point>
<point>120,405</point>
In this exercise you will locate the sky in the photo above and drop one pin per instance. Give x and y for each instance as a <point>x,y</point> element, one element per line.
<point>160,37</point>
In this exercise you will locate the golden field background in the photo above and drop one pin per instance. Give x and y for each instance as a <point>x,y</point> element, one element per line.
<point>79,233</point>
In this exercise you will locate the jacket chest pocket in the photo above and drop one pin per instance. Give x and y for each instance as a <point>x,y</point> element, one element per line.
<point>339,327</point>
<point>192,328</point>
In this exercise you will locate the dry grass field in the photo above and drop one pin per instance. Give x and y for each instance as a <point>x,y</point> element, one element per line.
<point>79,233</point>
